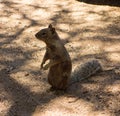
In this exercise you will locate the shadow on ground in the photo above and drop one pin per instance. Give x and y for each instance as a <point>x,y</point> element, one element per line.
<point>102,2</point>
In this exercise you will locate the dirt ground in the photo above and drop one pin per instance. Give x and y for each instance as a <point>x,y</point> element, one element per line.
<point>89,28</point>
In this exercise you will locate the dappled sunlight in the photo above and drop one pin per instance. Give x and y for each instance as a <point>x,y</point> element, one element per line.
<point>113,51</point>
<point>60,107</point>
<point>91,47</point>
<point>41,14</point>
<point>92,87</point>
<point>114,88</point>
<point>115,56</point>
<point>88,30</point>
<point>29,81</point>
<point>24,1</point>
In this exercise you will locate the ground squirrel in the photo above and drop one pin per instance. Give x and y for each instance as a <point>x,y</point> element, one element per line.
<point>60,66</point>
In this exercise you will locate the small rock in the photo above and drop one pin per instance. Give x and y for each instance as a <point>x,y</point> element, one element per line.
<point>27,74</point>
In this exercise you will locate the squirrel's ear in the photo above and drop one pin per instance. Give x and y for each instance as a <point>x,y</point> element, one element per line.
<point>52,29</point>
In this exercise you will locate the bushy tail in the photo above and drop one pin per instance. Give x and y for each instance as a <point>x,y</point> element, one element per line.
<point>85,70</point>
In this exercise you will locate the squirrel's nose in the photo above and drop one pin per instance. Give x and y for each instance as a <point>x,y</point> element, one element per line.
<point>36,35</point>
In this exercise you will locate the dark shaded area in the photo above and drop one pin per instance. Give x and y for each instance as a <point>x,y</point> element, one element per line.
<point>25,101</point>
<point>102,2</point>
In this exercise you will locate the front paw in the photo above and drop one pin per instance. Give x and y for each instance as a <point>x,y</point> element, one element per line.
<point>46,67</point>
<point>41,66</point>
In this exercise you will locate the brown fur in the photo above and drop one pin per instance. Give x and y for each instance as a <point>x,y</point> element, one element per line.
<point>60,62</point>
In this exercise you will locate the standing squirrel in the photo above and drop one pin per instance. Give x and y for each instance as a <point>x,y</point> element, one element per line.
<point>60,67</point>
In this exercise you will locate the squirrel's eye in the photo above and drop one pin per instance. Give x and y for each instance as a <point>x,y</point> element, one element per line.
<point>43,33</point>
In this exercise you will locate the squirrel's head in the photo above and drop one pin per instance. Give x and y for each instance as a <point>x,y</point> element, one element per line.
<point>46,33</point>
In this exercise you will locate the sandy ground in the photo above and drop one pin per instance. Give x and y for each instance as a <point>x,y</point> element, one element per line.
<point>88,29</point>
